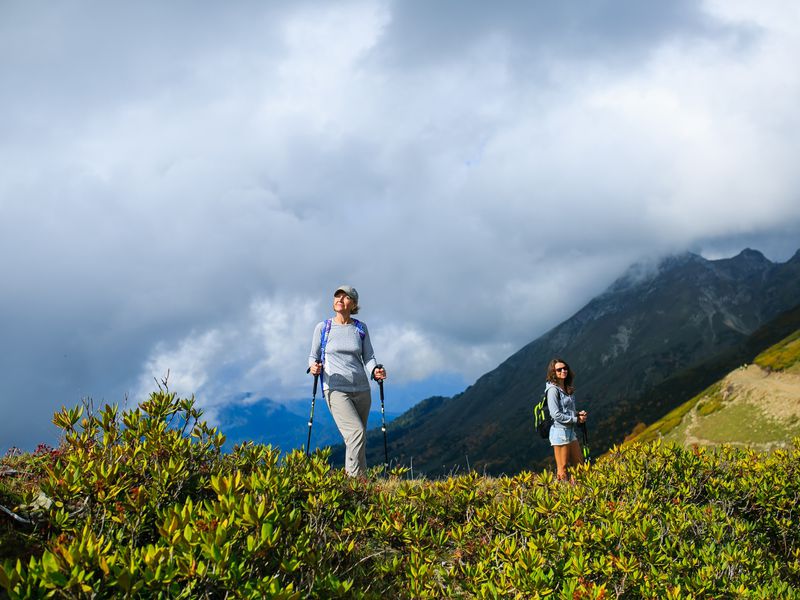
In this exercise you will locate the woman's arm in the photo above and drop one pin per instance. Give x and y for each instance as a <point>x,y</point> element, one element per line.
<point>368,357</point>
<point>367,353</point>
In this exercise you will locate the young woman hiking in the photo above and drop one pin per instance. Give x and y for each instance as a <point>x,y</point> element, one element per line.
<point>561,404</point>
<point>340,352</point>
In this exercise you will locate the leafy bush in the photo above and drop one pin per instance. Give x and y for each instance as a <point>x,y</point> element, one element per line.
<point>144,505</point>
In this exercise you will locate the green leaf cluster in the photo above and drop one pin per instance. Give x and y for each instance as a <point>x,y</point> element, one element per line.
<point>144,504</point>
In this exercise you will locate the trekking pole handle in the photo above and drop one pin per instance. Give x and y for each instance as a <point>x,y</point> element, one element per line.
<point>383,423</point>
<point>380,381</point>
<point>316,377</point>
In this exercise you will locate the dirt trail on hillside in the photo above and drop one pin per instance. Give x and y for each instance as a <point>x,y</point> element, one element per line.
<point>777,394</point>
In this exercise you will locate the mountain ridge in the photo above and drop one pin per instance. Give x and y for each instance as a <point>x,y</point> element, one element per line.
<point>642,330</point>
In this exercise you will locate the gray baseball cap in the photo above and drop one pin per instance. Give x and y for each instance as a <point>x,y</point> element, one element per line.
<point>349,290</point>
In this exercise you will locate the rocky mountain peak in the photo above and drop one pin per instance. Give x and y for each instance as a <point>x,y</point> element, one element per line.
<point>646,271</point>
<point>752,255</point>
<point>748,259</point>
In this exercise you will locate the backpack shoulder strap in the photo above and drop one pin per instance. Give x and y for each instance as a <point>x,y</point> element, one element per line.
<point>360,327</point>
<point>323,339</point>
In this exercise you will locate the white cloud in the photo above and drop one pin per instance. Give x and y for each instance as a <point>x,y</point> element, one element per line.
<point>183,188</point>
<point>262,352</point>
<point>414,353</point>
<point>184,368</point>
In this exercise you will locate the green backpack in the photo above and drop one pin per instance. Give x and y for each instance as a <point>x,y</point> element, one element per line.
<point>542,420</point>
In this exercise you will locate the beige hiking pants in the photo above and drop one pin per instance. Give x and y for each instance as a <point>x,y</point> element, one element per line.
<point>350,411</point>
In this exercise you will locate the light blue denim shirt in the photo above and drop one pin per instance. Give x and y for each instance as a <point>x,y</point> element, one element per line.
<point>561,406</point>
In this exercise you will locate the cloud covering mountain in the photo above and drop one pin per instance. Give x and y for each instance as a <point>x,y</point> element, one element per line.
<point>182,186</point>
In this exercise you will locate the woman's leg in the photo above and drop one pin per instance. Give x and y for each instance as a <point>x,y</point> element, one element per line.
<point>562,456</point>
<point>347,410</point>
<point>574,455</point>
<point>362,402</point>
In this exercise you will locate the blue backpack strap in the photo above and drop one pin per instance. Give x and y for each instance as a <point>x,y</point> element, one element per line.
<point>362,333</point>
<point>360,327</point>
<point>323,341</point>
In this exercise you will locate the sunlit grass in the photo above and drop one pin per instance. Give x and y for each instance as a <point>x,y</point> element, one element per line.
<point>783,355</point>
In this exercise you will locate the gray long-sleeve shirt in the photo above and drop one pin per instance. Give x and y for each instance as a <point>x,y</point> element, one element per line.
<point>562,408</point>
<point>346,357</point>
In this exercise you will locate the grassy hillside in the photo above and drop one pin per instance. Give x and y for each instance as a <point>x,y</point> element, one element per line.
<point>784,356</point>
<point>144,505</point>
<point>756,405</point>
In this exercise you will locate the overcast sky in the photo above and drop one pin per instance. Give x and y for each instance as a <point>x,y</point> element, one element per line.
<point>184,184</point>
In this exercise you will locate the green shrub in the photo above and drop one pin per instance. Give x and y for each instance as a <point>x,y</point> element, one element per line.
<point>146,506</point>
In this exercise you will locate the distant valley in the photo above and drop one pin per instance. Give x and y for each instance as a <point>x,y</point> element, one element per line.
<point>283,425</point>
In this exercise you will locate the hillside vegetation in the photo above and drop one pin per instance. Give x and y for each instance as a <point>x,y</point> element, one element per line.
<point>144,504</point>
<point>756,405</point>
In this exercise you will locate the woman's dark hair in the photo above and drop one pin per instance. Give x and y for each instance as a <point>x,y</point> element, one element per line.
<point>552,378</point>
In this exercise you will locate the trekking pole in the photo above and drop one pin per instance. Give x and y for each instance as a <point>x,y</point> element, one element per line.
<point>383,427</point>
<point>585,448</point>
<point>311,418</point>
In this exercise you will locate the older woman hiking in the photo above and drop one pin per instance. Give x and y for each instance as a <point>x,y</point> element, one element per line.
<point>341,350</point>
<point>561,404</point>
